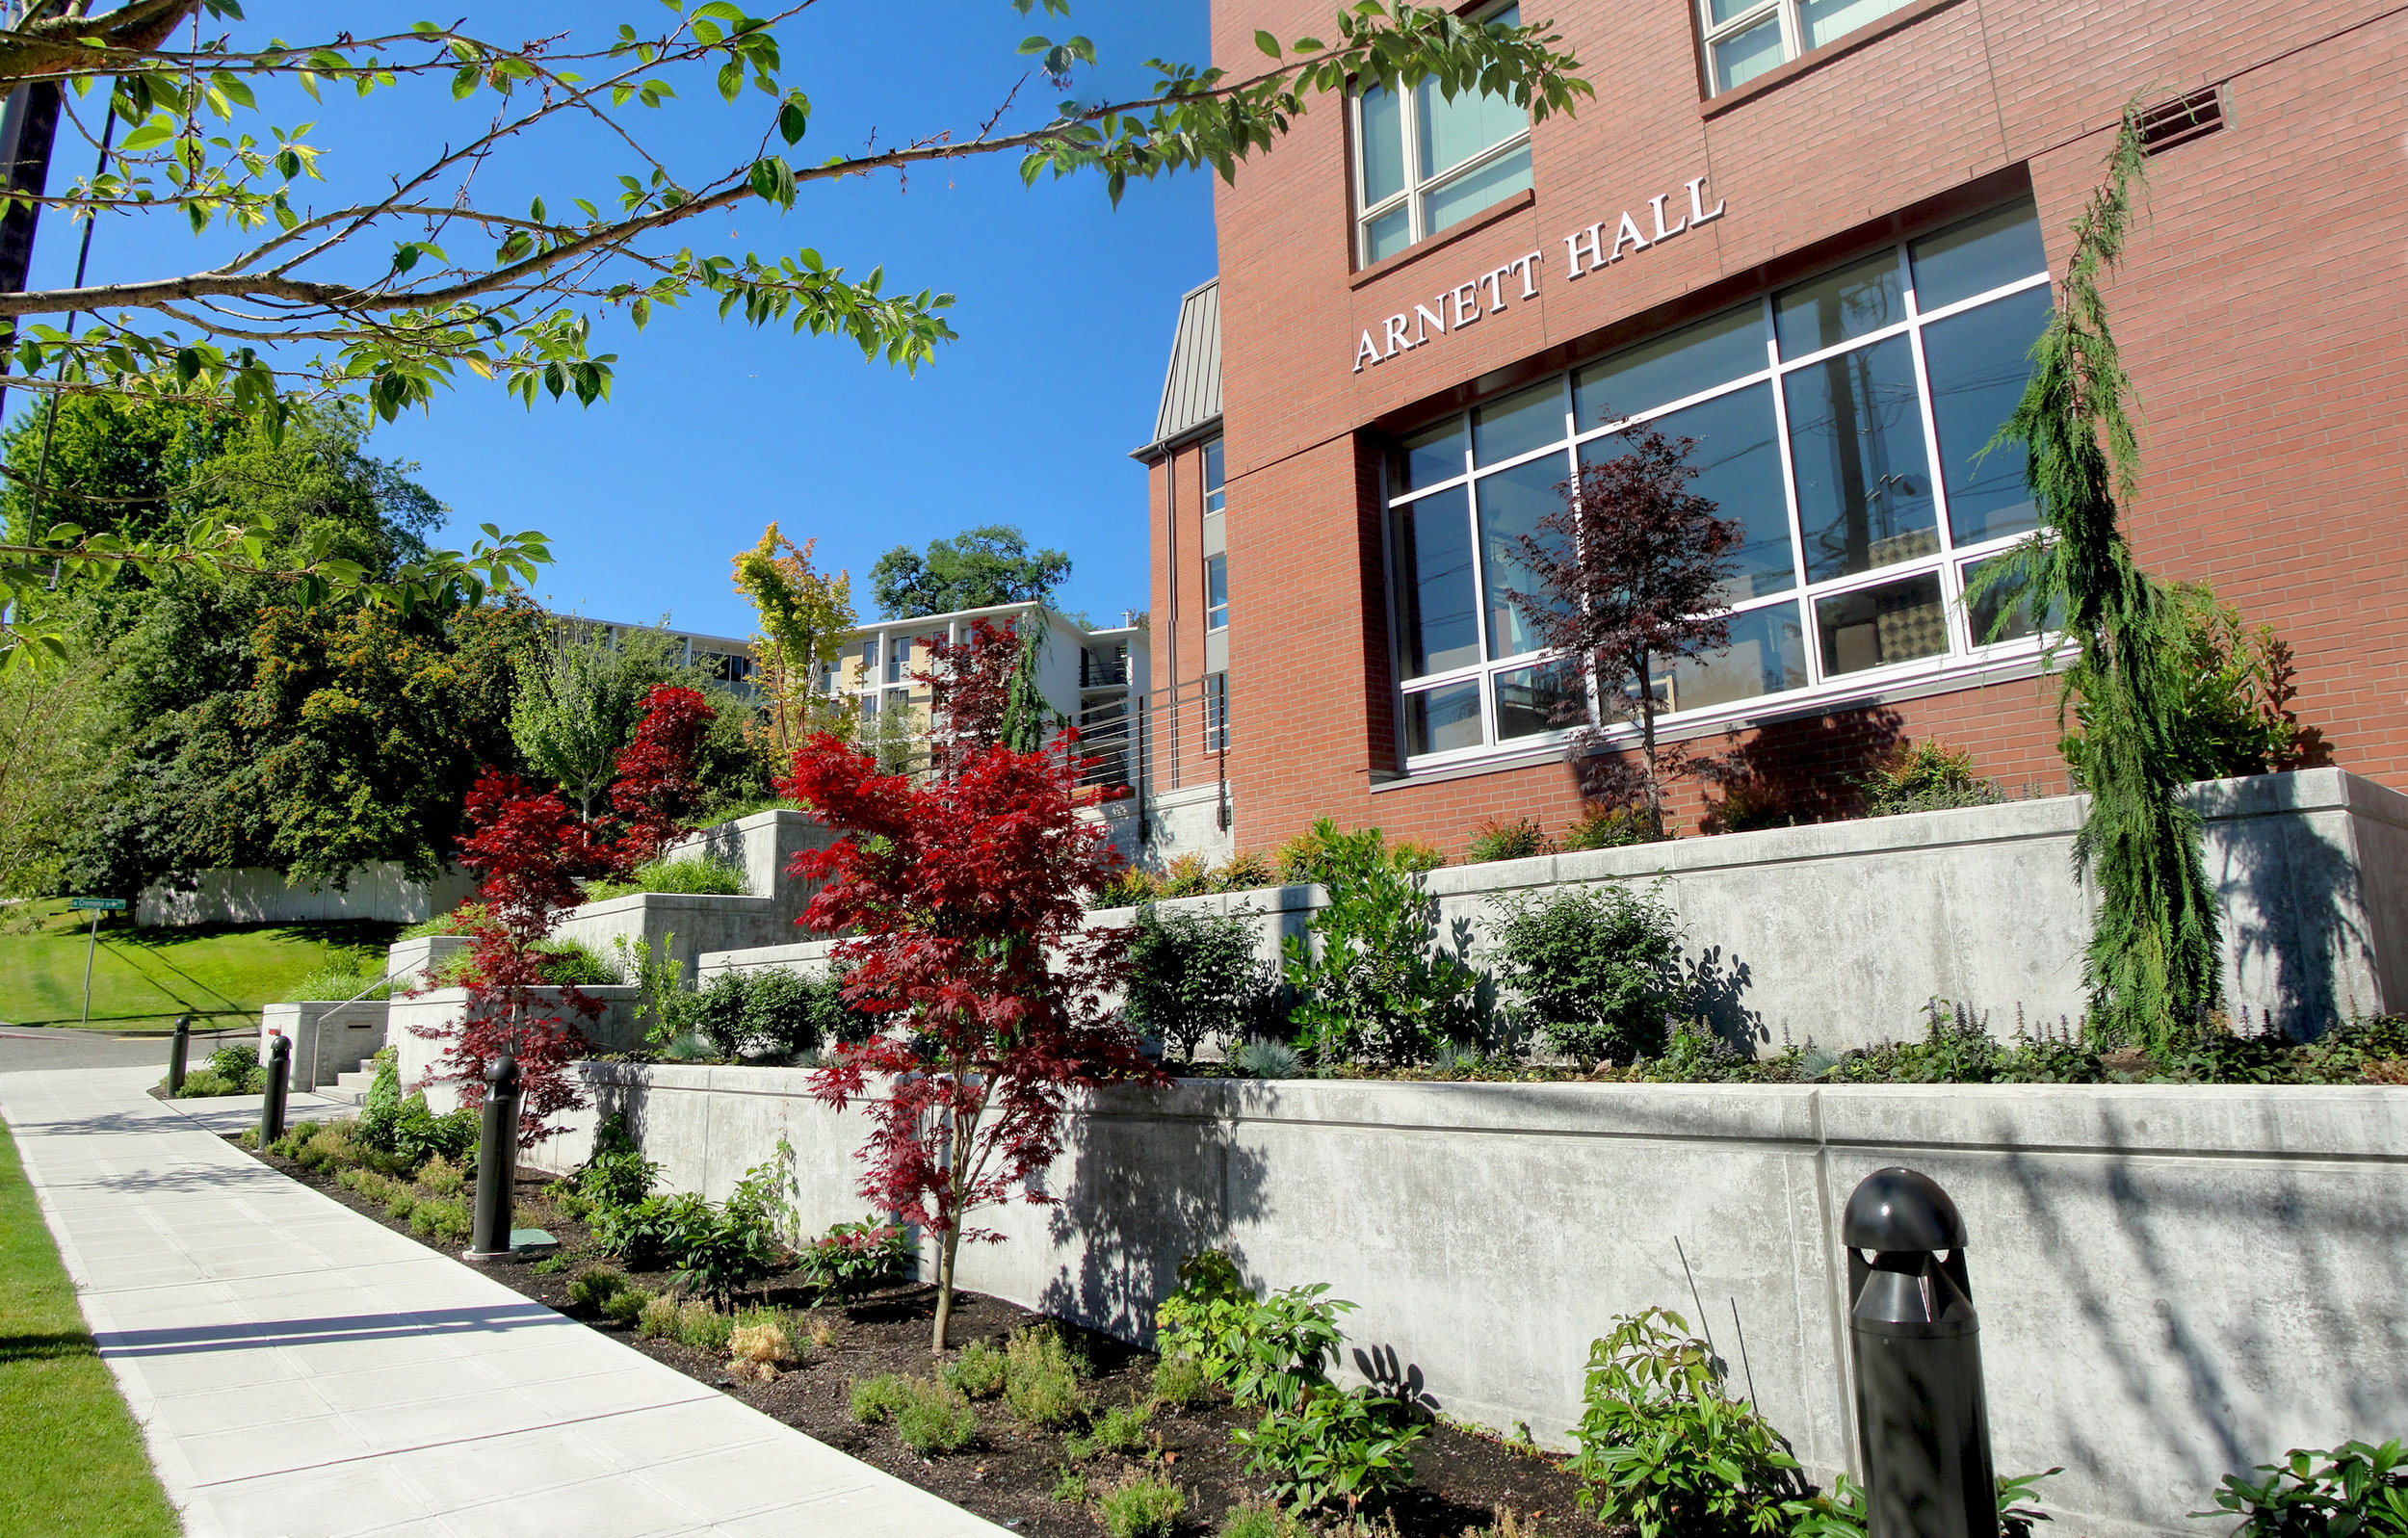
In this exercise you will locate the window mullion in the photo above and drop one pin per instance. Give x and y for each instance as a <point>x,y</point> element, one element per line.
<point>1788,493</point>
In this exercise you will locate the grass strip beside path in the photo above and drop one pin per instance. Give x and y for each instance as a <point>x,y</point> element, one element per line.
<point>72,1459</point>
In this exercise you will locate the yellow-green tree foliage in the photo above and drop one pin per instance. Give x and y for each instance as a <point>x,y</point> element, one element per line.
<point>802,613</point>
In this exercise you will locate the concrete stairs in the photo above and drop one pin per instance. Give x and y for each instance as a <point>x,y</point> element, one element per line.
<point>349,1089</point>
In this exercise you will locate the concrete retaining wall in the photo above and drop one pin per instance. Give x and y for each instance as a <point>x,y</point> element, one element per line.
<point>380,890</point>
<point>1840,932</point>
<point>2174,1283</point>
<point>685,924</point>
<point>440,1008</point>
<point>765,843</point>
<point>328,1038</point>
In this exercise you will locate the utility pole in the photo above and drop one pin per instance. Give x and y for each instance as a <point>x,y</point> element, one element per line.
<point>28,124</point>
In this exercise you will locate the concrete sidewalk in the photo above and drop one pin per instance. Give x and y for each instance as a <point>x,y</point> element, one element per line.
<point>302,1371</point>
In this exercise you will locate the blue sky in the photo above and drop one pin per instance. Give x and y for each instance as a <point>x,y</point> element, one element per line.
<point>1065,308</point>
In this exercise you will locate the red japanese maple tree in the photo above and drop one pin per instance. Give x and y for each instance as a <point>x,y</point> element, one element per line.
<point>656,787</point>
<point>962,892</point>
<point>529,849</point>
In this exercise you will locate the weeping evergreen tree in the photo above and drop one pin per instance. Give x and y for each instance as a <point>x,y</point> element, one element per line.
<point>1029,720</point>
<point>2153,968</point>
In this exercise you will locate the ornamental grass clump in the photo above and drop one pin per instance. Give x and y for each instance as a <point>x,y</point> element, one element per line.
<point>595,1286</point>
<point>935,1419</point>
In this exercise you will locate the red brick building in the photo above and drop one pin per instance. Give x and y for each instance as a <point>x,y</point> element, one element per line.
<point>1816,236</point>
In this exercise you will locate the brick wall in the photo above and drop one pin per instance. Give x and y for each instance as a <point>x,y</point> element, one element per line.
<point>2260,313</point>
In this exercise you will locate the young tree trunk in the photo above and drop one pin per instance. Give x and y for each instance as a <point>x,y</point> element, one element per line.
<point>1648,746</point>
<point>944,1288</point>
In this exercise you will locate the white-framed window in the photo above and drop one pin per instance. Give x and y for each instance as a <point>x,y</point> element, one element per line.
<point>1841,420</point>
<point>1215,592</point>
<point>1423,163</point>
<point>1215,487</point>
<point>1746,37</point>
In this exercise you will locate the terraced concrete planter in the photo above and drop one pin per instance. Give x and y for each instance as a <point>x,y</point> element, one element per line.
<point>440,1010</point>
<point>328,1038</point>
<point>677,923</point>
<point>765,845</point>
<point>2174,1283</point>
<point>1841,933</point>
<point>407,961</point>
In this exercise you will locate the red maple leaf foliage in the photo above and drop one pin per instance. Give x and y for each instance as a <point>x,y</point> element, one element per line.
<point>962,895</point>
<point>529,848</point>
<point>655,786</point>
<point>969,681</point>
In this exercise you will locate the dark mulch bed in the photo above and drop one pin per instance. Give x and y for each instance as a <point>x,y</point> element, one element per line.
<point>1007,1476</point>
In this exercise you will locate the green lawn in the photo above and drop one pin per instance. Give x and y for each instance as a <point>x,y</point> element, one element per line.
<point>142,979</point>
<point>71,1460</point>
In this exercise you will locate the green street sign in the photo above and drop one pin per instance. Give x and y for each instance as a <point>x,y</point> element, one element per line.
<point>103,904</point>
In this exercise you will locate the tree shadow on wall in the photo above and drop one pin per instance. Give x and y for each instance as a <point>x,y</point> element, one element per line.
<point>1155,1177</point>
<point>1716,986</point>
<point>2298,924</point>
<point>1808,769</point>
<point>2184,1381</point>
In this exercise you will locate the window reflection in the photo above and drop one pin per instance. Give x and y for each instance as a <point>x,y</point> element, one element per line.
<point>1766,654</point>
<point>1864,478</point>
<point>1511,505</point>
<point>1979,364</point>
<point>1439,623</point>
<point>1854,301</point>
<point>1549,697</point>
<point>1738,459</point>
<point>1439,721</point>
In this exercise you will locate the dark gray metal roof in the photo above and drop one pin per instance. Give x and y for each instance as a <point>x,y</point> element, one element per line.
<point>1192,386</point>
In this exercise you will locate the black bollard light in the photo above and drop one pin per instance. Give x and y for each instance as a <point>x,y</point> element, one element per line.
<point>1921,1414</point>
<point>272,1105</point>
<point>497,1162</point>
<point>179,1053</point>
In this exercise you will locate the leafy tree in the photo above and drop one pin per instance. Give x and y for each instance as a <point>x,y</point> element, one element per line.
<point>976,569</point>
<point>583,696</point>
<point>1630,572</point>
<point>391,287</point>
<point>804,615</point>
<point>655,786</point>
<point>2154,962</point>
<point>50,752</point>
<point>961,896</point>
<point>123,464</point>
<point>529,851</point>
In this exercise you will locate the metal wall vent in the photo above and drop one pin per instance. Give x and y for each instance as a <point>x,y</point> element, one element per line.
<point>2182,119</point>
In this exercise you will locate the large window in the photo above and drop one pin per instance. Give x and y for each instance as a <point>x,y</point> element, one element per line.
<point>1842,423</point>
<point>1215,592</point>
<point>1215,490</point>
<point>1423,163</point>
<point>1746,37</point>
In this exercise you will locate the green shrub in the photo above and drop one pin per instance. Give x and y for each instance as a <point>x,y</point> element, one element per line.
<point>617,1174</point>
<point>627,1306</point>
<point>935,1419</point>
<point>703,1327</point>
<point>1371,980</point>
<point>1122,1428</point>
<point>1251,1521</point>
<point>400,1201</point>
<point>237,1063</point>
<point>1662,1447</point>
<point>463,920</point>
<point>1195,977</point>
<point>441,1177</point>
<point>1517,839</point>
<point>1608,827</point>
<point>1180,1382</point>
<point>1272,1350</point>
<point>447,1218</point>
<point>206,1083</point>
<point>1142,1505</point>
<point>1925,776</point>
<point>976,1370</point>
<point>876,1400</point>
<point>1598,969</point>
<point>594,1286</point>
<point>1331,1445</point>
<point>787,1014</point>
<point>2354,1488</point>
<point>1070,1489</point>
<point>852,1258</point>
<point>1040,1383</point>
<point>717,1014</point>
<point>691,875</point>
<point>658,1317</point>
